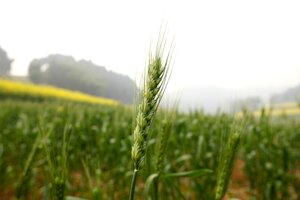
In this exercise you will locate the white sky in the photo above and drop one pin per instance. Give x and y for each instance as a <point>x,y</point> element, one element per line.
<point>231,44</point>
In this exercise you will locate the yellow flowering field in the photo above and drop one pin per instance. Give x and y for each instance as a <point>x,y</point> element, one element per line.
<point>286,105</point>
<point>8,87</point>
<point>278,109</point>
<point>281,111</point>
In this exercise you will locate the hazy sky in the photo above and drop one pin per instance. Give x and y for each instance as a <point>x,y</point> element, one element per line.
<point>231,44</point>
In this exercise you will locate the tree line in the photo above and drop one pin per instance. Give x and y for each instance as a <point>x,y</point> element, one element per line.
<point>84,76</point>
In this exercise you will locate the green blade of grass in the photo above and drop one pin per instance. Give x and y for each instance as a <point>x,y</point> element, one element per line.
<point>193,173</point>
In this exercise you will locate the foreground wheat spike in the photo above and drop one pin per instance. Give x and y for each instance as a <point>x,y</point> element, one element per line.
<point>226,164</point>
<point>154,86</point>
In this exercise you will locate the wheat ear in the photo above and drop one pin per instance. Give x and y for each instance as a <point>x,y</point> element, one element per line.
<point>154,86</point>
<point>226,164</point>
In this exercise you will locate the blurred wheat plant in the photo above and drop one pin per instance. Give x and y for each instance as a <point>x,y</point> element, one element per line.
<point>161,174</point>
<point>161,148</point>
<point>23,183</point>
<point>226,164</point>
<point>57,161</point>
<point>155,83</point>
<point>95,192</point>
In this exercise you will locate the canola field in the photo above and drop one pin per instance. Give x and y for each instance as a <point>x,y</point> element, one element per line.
<point>290,109</point>
<point>28,90</point>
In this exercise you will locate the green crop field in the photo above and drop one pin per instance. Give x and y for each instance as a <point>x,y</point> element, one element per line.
<point>99,146</point>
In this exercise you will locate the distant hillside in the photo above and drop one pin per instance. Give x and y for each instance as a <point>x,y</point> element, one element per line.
<point>289,95</point>
<point>85,76</point>
<point>212,99</point>
<point>208,98</point>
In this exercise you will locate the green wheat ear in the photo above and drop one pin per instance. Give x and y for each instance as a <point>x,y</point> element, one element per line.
<point>162,145</point>
<point>59,185</point>
<point>154,86</point>
<point>226,165</point>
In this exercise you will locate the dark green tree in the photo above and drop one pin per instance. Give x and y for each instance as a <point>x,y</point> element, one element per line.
<point>65,72</point>
<point>5,63</point>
